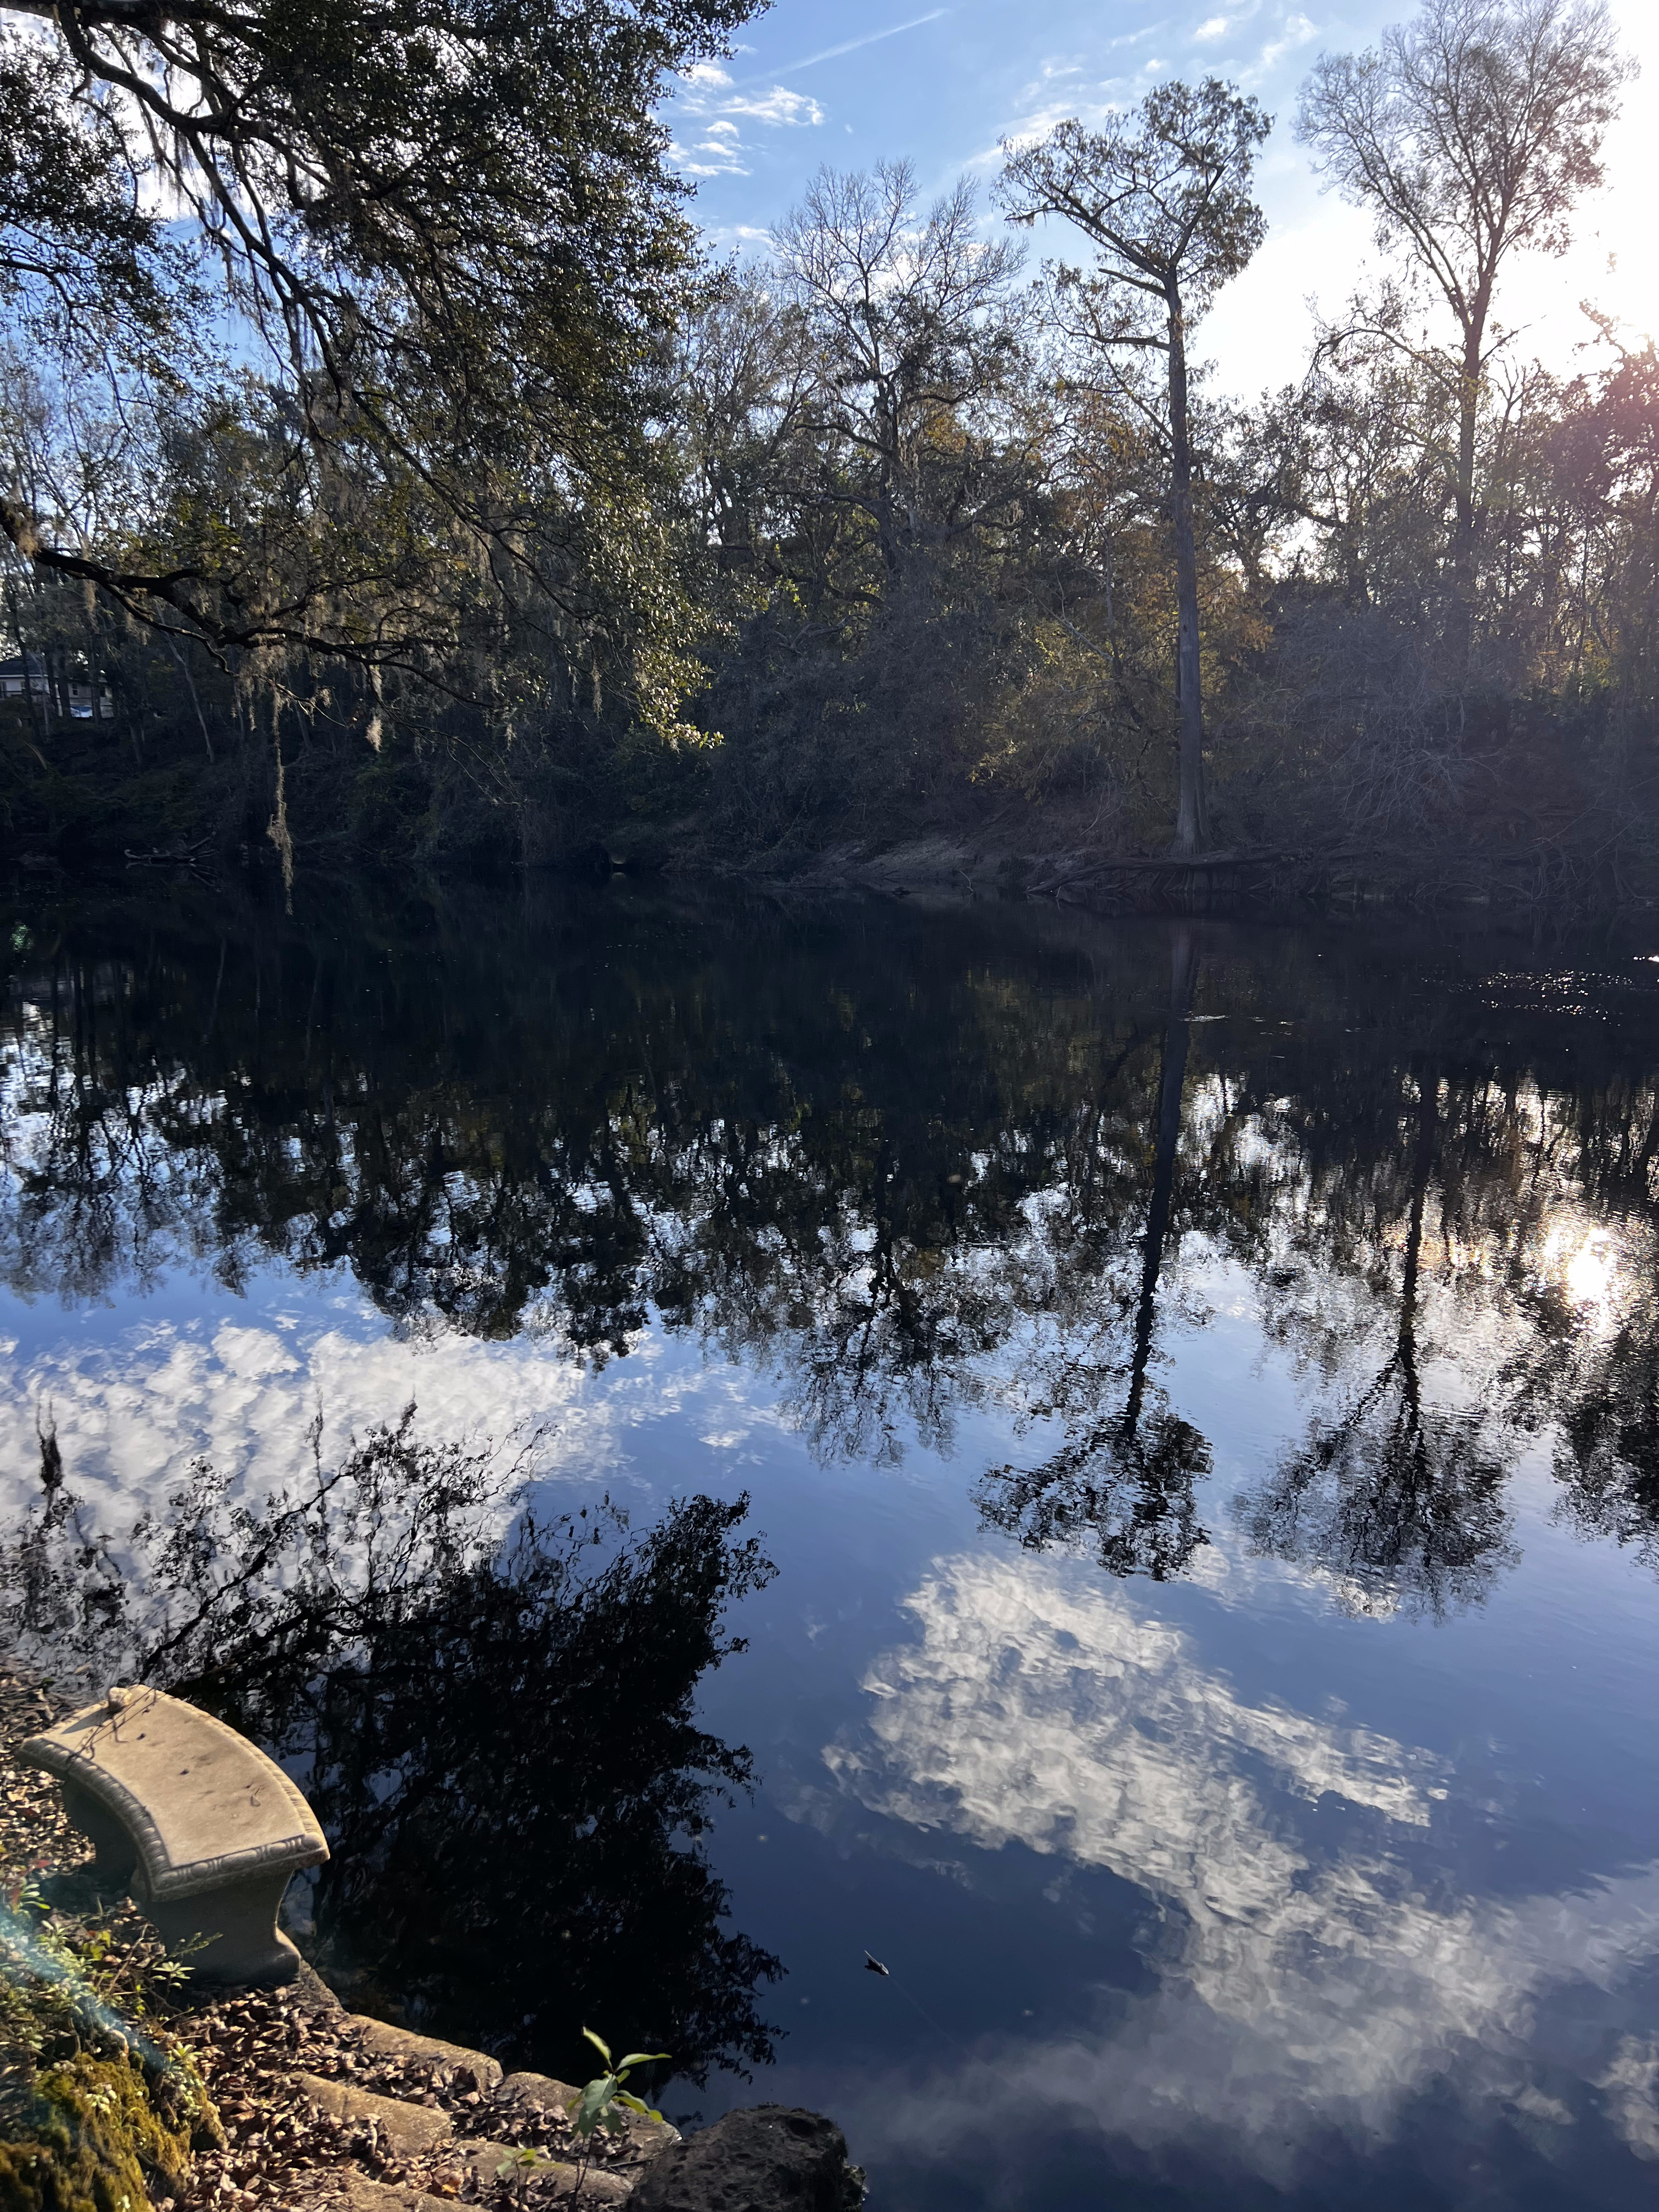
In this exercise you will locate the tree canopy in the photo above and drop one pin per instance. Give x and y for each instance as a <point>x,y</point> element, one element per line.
<point>445,257</point>
<point>1469,135</point>
<point>373,361</point>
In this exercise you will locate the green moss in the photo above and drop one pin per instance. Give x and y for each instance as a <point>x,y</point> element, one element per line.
<point>94,2132</point>
<point>97,2106</point>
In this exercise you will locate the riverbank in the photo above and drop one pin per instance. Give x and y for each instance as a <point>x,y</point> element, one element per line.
<point>1567,853</point>
<point>313,2108</point>
<point>1243,879</point>
<point>324,2108</point>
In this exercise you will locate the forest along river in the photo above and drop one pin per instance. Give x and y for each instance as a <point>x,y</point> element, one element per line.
<point>1197,1385</point>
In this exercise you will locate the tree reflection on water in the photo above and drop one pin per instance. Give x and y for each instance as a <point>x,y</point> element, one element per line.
<point>1607,1455</point>
<point>1403,1502</point>
<point>1121,1485</point>
<point>914,1167</point>
<point>496,1734</point>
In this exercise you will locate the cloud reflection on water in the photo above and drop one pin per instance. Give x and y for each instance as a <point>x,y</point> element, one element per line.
<point>131,1414</point>
<point>1297,1988</point>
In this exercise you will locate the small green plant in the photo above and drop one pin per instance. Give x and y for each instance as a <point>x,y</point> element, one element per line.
<point>595,2105</point>
<point>524,2159</point>
<point>83,1981</point>
<point>591,2108</point>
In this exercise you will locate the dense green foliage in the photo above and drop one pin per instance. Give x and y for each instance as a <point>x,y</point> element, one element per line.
<point>383,403</point>
<point>490,528</point>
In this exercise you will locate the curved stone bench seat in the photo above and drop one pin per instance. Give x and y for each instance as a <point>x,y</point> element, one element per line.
<point>204,1829</point>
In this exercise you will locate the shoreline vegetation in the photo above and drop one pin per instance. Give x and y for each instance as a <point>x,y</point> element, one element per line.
<point>461,515</point>
<point>118,2085</point>
<point>373,1625</point>
<point>122,2086</point>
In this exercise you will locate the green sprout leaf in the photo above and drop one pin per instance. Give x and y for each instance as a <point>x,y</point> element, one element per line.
<point>595,2105</point>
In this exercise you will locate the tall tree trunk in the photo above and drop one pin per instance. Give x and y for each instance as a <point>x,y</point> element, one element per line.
<point>190,685</point>
<point>1459,639</point>
<point>1193,817</point>
<point>886,523</point>
<point>31,703</point>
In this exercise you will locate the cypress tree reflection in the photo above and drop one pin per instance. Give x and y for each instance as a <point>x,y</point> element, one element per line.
<point>1124,1487</point>
<point>496,1737</point>
<point>1402,1503</point>
<point>1602,1400</point>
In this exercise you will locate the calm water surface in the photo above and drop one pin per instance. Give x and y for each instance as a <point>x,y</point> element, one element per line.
<point>1198,1385</point>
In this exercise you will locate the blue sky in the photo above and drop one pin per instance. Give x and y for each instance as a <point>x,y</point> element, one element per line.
<point>849,81</point>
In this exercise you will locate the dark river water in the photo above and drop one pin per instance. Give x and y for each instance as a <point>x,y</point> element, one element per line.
<point>1196,1390</point>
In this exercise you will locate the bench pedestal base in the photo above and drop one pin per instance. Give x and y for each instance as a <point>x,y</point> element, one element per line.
<point>244,1943</point>
<point>117,1855</point>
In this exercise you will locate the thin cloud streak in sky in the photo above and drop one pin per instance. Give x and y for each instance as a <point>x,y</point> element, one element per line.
<point>852,45</point>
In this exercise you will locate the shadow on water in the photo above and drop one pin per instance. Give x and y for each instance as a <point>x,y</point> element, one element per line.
<point>496,1735</point>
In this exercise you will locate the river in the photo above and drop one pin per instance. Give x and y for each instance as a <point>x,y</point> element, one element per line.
<point>1195,1385</point>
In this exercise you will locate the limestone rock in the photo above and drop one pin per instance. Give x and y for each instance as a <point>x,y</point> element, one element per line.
<point>484,2160</point>
<point>342,2189</point>
<point>770,2157</point>
<point>406,2130</point>
<point>388,2042</point>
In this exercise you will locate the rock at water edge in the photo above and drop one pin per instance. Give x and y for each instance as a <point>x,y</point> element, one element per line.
<point>770,2157</point>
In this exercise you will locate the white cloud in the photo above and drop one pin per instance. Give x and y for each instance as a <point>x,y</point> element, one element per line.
<point>740,234</point>
<point>779,105</point>
<point>1040,86</point>
<point>1216,27</point>
<point>1296,32</point>
<point>708,157</point>
<point>131,1414</point>
<point>707,95</point>
<point>1630,2083</point>
<point>1297,1991</point>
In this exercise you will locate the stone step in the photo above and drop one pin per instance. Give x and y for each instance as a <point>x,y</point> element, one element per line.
<point>342,2189</point>
<point>388,2042</point>
<point>484,2161</point>
<point>407,2130</point>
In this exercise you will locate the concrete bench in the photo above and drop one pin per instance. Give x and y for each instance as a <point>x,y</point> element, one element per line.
<point>203,1827</point>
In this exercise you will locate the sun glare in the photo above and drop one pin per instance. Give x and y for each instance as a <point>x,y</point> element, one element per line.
<point>1589,1273</point>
